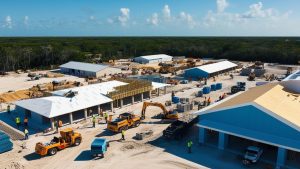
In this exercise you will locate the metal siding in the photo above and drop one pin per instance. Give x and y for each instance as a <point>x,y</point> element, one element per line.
<point>195,73</point>
<point>248,120</point>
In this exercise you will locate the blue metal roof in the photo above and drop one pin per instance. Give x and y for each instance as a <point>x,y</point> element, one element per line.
<point>251,123</point>
<point>90,67</point>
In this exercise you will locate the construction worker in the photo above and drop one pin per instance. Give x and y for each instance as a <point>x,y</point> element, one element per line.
<point>123,135</point>
<point>56,125</point>
<point>224,95</point>
<point>18,121</point>
<point>26,133</point>
<point>25,122</point>
<point>204,102</point>
<point>189,145</point>
<point>60,124</point>
<point>208,101</point>
<point>8,108</point>
<point>105,116</point>
<point>94,121</point>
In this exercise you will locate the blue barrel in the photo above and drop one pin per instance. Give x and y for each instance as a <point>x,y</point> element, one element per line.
<point>206,90</point>
<point>213,87</point>
<point>200,93</point>
<point>175,99</point>
<point>218,86</point>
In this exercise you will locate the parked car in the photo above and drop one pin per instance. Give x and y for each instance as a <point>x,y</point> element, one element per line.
<point>99,147</point>
<point>252,154</point>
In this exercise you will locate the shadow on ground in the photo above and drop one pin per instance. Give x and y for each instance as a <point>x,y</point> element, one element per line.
<point>106,132</point>
<point>32,157</point>
<point>84,156</point>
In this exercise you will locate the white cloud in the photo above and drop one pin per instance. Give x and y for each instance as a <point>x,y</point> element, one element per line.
<point>92,17</point>
<point>153,20</point>
<point>8,22</point>
<point>26,19</point>
<point>188,19</point>
<point>124,17</point>
<point>222,5</point>
<point>166,12</point>
<point>257,11</point>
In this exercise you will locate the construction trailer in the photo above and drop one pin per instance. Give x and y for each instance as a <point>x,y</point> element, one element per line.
<point>265,116</point>
<point>209,70</point>
<point>82,69</point>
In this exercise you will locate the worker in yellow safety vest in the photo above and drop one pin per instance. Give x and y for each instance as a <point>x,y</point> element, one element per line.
<point>26,134</point>
<point>94,121</point>
<point>26,122</point>
<point>123,135</point>
<point>189,145</point>
<point>18,121</point>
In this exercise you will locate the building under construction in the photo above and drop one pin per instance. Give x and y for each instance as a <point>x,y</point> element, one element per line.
<point>79,103</point>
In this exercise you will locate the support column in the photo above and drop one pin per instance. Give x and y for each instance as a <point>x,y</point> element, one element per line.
<point>99,110</point>
<point>281,157</point>
<point>71,118</point>
<point>121,103</point>
<point>223,140</point>
<point>52,123</point>
<point>112,106</point>
<point>158,90</point>
<point>202,135</point>
<point>150,94</point>
<point>142,97</point>
<point>132,99</point>
<point>165,90</point>
<point>85,114</point>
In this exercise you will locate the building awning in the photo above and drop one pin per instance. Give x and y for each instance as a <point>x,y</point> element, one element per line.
<point>156,85</point>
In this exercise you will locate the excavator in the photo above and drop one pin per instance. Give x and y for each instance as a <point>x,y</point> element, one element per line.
<point>167,114</point>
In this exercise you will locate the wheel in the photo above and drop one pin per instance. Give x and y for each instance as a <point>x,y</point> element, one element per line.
<point>107,144</point>
<point>137,123</point>
<point>102,155</point>
<point>52,151</point>
<point>77,142</point>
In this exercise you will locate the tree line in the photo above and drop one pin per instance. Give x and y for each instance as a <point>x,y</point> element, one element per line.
<point>48,52</point>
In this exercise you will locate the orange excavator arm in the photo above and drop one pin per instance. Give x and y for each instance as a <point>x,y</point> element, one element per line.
<point>157,104</point>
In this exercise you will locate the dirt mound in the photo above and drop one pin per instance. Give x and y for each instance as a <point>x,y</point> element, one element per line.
<point>131,146</point>
<point>14,165</point>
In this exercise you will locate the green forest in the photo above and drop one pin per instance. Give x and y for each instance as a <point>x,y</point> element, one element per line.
<point>45,52</point>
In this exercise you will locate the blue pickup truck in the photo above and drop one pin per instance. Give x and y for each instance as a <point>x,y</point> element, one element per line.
<point>99,147</point>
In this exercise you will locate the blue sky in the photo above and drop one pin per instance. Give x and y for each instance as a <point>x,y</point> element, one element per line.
<point>149,18</point>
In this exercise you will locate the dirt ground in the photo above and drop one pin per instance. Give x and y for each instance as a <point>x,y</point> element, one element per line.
<point>14,81</point>
<point>145,154</point>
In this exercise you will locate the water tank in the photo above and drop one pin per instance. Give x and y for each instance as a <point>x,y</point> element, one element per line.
<point>206,90</point>
<point>175,99</point>
<point>213,87</point>
<point>218,86</point>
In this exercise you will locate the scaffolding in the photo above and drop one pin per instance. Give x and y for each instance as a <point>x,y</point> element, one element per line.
<point>135,86</point>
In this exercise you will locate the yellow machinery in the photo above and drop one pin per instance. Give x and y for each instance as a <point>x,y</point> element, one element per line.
<point>125,121</point>
<point>68,138</point>
<point>167,114</point>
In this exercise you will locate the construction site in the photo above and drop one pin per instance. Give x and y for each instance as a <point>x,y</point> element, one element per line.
<point>152,112</point>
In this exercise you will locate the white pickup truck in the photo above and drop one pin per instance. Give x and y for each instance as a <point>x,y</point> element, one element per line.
<point>252,154</point>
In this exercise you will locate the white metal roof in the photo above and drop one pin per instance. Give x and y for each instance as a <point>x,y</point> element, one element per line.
<point>154,57</point>
<point>156,85</point>
<point>216,67</point>
<point>88,96</point>
<point>84,66</point>
<point>293,76</point>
